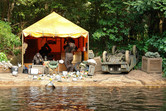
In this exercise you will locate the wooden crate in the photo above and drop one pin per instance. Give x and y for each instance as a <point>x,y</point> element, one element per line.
<point>62,67</point>
<point>39,67</point>
<point>152,65</point>
<point>98,66</point>
<point>27,64</point>
<point>77,57</point>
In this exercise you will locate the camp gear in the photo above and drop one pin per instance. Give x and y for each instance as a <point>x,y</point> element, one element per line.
<point>39,67</point>
<point>91,70</point>
<point>25,70</point>
<point>34,77</point>
<point>91,54</point>
<point>34,71</point>
<point>14,70</point>
<point>64,73</point>
<point>52,65</point>
<point>5,65</point>
<point>88,65</point>
<point>58,78</point>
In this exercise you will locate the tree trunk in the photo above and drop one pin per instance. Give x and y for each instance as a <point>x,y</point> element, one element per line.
<point>10,9</point>
<point>161,25</point>
<point>46,6</point>
<point>4,7</point>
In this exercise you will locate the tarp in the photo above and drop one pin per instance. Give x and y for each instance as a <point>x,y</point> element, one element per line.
<point>55,25</point>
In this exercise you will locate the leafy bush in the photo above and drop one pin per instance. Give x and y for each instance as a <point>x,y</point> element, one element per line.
<point>3,57</point>
<point>17,52</point>
<point>164,67</point>
<point>158,42</point>
<point>8,41</point>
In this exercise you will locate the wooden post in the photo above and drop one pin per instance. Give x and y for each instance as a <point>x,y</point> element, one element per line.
<point>58,67</point>
<point>22,50</point>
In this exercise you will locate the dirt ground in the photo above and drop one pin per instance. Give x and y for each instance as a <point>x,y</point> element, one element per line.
<point>134,78</point>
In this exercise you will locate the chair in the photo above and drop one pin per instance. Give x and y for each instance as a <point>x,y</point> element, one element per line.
<point>52,65</point>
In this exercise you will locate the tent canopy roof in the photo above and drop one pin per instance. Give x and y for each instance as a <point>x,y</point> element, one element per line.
<point>54,25</point>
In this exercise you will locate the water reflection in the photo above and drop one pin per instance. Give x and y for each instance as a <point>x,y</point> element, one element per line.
<point>83,98</point>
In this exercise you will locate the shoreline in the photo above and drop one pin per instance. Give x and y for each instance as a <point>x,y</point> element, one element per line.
<point>134,78</point>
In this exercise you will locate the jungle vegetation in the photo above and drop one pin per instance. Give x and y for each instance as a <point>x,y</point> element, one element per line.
<point>109,22</point>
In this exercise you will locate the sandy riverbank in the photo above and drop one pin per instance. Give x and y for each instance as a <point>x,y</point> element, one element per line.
<point>134,78</point>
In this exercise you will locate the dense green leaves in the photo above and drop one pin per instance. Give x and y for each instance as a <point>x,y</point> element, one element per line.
<point>8,41</point>
<point>110,22</point>
<point>3,57</point>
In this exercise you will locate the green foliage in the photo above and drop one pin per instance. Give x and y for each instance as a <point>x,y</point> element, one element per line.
<point>110,19</point>
<point>147,5</point>
<point>3,57</point>
<point>109,22</point>
<point>7,39</point>
<point>17,52</point>
<point>27,12</point>
<point>138,66</point>
<point>159,43</point>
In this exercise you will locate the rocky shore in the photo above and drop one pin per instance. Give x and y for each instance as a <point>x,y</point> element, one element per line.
<point>134,78</point>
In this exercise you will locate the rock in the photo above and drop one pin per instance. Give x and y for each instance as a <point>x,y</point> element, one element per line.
<point>74,79</point>
<point>58,78</point>
<point>50,85</point>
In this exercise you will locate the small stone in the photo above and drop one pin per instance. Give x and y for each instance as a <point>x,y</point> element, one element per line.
<point>74,79</point>
<point>94,80</point>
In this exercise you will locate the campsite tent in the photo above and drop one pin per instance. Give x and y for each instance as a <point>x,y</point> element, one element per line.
<point>53,28</point>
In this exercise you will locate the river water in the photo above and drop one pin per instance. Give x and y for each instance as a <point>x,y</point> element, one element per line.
<point>83,99</point>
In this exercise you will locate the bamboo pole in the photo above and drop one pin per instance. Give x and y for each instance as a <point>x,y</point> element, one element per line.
<point>22,50</point>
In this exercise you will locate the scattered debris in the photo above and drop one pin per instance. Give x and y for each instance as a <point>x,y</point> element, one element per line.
<point>5,66</point>
<point>58,78</point>
<point>35,77</point>
<point>91,54</point>
<point>74,79</point>
<point>14,70</point>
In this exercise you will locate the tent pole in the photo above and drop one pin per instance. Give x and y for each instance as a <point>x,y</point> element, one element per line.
<point>22,50</point>
<point>88,46</point>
